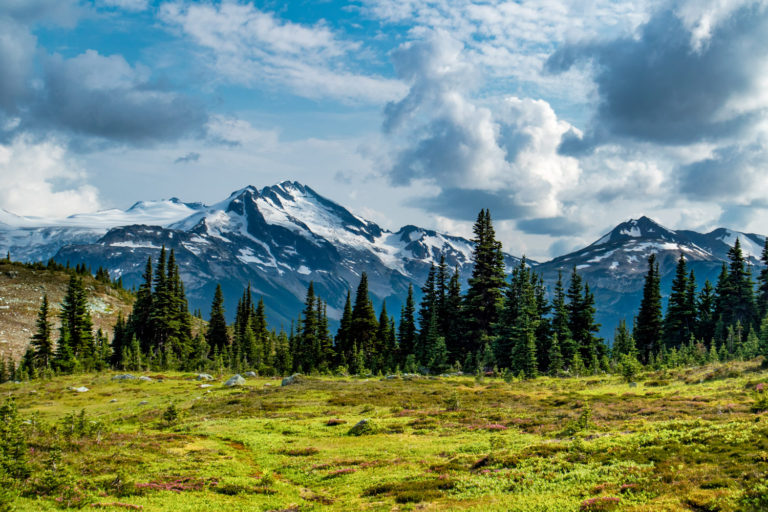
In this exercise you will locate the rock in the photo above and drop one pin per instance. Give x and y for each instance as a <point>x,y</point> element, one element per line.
<point>204,376</point>
<point>113,400</point>
<point>143,402</point>
<point>206,385</point>
<point>363,427</point>
<point>235,380</point>
<point>125,376</point>
<point>633,384</point>
<point>145,378</point>
<point>81,389</point>
<point>390,377</point>
<point>250,374</point>
<point>292,379</point>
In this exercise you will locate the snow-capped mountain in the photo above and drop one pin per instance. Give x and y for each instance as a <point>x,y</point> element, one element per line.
<point>278,239</point>
<point>40,238</point>
<point>616,264</point>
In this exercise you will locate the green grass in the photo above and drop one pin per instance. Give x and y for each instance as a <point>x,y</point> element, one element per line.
<point>684,440</point>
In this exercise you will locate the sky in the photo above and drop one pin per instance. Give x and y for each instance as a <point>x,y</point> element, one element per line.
<point>563,117</point>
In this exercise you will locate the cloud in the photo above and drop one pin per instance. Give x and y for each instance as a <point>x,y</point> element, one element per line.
<point>505,152</point>
<point>39,180</point>
<point>128,5</point>
<point>17,48</point>
<point>105,97</point>
<point>673,86</point>
<point>188,158</point>
<point>251,47</point>
<point>733,172</point>
<point>554,226</point>
<point>59,12</point>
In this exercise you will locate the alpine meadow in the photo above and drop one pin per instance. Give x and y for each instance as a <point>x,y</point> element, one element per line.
<point>497,255</point>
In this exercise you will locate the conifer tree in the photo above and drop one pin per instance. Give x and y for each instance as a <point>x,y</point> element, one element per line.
<point>304,352</point>
<point>216,335</point>
<point>75,346</point>
<point>41,340</point>
<point>738,302</point>
<point>382,340</point>
<point>705,314</point>
<point>344,334</point>
<point>363,326</point>
<point>453,323</point>
<point>406,334</point>
<point>623,343</point>
<point>484,297</point>
<point>138,322</point>
<point>518,323</point>
<point>555,357</point>
<point>427,310</point>
<point>762,285</point>
<point>648,329</point>
<point>560,315</point>
<point>678,323</point>
<point>441,295</point>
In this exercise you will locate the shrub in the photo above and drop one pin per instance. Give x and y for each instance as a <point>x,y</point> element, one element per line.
<point>452,402</point>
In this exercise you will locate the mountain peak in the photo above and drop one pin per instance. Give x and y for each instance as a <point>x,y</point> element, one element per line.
<point>643,227</point>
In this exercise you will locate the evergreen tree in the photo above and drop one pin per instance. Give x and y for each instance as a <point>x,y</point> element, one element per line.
<point>383,336</point>
<point>138,322</point>
<point>364,326</point>
<point>555,357</point>
<point>453,329</point>
<point>623,343</point>
<point>648,330</point>
<point>705,319</point>
<point>516,342</point>
<point>75,346</point>
<point>738,302</point>
<point>325,354</point>
<point>406,334</point>
<point>217,336</point>
<point>483,300</point>
<point>441,296</point>
<point>762,285</point>
<point>344,334</point>
<point>560,315</point>
<point>41,340</point>
<point>304,353</point>
<point>678,323</point>
<point>427,310</point>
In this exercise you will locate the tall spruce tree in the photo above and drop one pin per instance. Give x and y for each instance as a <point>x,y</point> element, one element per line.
<point>762,285</point>
<point>518,323</point>
<point>364,325</point>
<point>41,340</point>
<point>680,317</point>
<point>216,335</point>
<point>344,334</point>
<point>738,296</point>
<point>406,334</point>
<point>75,346</point>
<point>648,329</point>
<point>454,316</point>
<point>560,316</point>
<point>484,297</point>
<point>304,355</point>
<point>705,314</point>
<point>427,310</point>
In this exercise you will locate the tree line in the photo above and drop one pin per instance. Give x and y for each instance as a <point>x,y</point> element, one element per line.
<point>501,322</point>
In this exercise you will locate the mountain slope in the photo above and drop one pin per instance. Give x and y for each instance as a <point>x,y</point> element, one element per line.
<point>616,264</point>
<point>279,239</point>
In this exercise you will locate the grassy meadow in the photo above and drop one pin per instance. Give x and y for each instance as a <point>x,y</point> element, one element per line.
<point>679,440</point>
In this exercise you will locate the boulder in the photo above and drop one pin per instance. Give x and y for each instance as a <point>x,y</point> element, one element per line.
<point>81,389</point>
<point>363,427</point>
<point>235,380</point>
<point>292,379</point>
<point>113,400</point>
<point>250,374</point>
<point>124,376</point>
<point>143,402</point>
<point>204,376</point>
<point>145,378</point>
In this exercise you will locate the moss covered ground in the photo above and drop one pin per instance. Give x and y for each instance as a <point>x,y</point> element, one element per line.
<point>679,440</point>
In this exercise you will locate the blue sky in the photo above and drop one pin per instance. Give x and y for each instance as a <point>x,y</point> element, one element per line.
<point>564,117</point>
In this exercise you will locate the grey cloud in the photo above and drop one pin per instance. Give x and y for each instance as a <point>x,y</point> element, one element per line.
<point>59,12</point>
<point>729,173</point>
<point>188,158</point>
<point>554,226</point>
<point>464,204</point>
<point>17,48</point>
<point>104,97</point>
<point>658,88</point>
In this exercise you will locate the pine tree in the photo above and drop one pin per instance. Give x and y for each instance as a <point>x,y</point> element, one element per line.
<point>678,323</point>
<point>217,336</point>
<point>75,346</point>
<point>427,310</point>
<point>304,352</point>
<point>705,318</point>
<point>762,285</point>
<point>454,316</point>
<point>441,296</point>
<point>484,297</point>
<point>382,340</point>
<point>623,343</point>
<point>518,323</point>
<point>41,340</point>
<point>738,302</point>
<point>560,315</point>
<point>364,326</point>
<point>406,334</point>
<point>138,322</point>
<point>555,357</point>
<point>344,334</point>
<point>648,329</point>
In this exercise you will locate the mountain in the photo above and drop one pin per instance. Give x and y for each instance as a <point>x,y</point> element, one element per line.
<point>40,238</point>
<point>278,239</point>
<point>616,264</point>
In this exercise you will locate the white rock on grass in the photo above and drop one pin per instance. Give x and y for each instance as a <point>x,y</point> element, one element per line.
<point>81,389</point>
<point>204,376</point>
<point>125,376</point>
<point>206,385</point>
<point>145,378</point>
<point>293,379</point>
<point>235,380</point>
<point>250,374</point>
